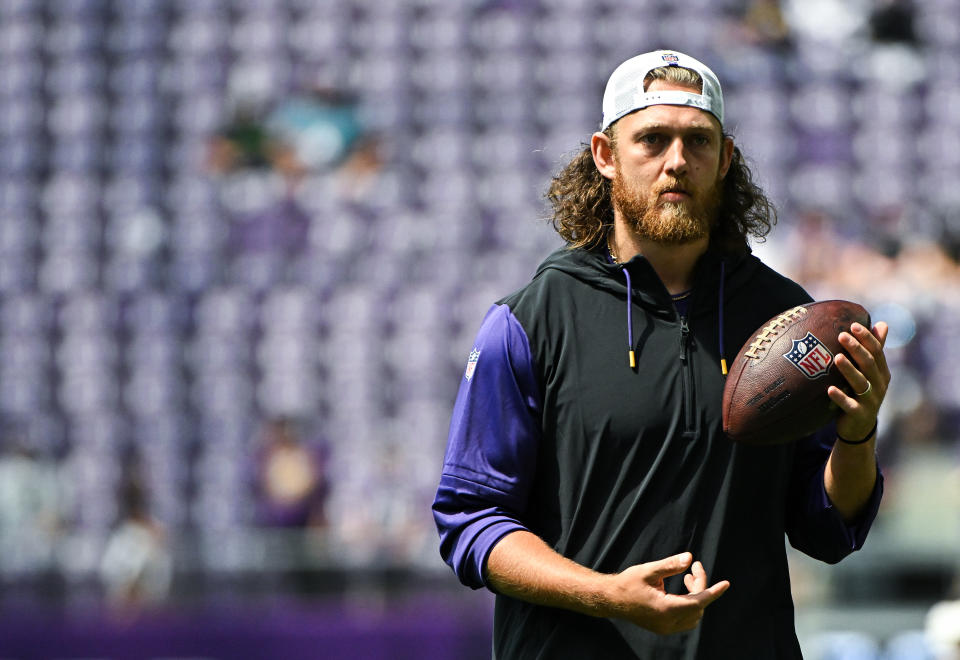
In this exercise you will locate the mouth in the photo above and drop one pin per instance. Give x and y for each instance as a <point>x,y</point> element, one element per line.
<point>675,194</point>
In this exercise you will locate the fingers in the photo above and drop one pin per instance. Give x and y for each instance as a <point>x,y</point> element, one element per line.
<point>682,613</point>
<point>643,599</point>
<point>871,339</point>
<point>867,372</point>
<point>699,600</point>
<point>696,583</point>
<point>858,382</point>
<point>862,346</point>
<point>866,349</point>
<point>696,580</point>
<point>669,566</point>
<point>707,596</point>
<point>880,331</point>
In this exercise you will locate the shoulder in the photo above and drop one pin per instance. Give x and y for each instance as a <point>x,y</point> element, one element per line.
<point>545,284</point>
<point>561,275</point>
<point>501,360</point>
<point>501,331</point>
<point>773,286</point>
<point>756,293</point>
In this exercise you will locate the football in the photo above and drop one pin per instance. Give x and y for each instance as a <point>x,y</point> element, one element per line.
<point>776,390</point>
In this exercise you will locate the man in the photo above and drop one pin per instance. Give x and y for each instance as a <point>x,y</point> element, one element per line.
<point>584,477</point>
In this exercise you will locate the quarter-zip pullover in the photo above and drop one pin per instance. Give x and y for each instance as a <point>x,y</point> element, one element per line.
<point>554,432</point>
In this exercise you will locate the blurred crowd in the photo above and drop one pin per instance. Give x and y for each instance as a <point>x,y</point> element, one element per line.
<point>244,247</point>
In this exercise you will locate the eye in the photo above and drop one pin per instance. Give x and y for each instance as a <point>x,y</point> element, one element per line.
<point>700,140</point>
<point>650,139</point>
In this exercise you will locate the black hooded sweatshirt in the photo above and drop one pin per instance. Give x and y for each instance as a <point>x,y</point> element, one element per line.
<point>612,465</point>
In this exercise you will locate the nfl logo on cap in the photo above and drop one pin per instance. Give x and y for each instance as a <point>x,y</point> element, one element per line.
<point>670,58</point>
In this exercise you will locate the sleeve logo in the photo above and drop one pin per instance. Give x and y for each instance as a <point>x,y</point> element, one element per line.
<point>472,363</point>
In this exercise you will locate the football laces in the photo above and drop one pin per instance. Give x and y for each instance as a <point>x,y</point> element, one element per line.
<point>770,331</point>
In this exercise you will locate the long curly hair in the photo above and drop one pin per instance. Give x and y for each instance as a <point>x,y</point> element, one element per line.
<point>583,210</point>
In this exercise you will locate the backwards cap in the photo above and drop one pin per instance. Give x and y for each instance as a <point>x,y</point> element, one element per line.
<point>625,93</point>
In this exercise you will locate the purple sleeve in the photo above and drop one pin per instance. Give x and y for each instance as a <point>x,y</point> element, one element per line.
<point>813,525</point>
<point>491,449</point>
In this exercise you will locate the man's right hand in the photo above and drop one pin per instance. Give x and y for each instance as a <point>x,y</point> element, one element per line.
<point>522,566</point>
<point>637,594</point>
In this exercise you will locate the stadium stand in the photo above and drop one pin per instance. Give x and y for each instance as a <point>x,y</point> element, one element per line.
<point>214,214</point>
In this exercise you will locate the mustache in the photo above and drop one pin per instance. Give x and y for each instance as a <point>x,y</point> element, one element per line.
<point>675,185</point>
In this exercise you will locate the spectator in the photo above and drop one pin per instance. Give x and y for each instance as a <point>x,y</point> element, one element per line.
<point>137,566</point>
<point>291,485</point>
<point>30,500</point>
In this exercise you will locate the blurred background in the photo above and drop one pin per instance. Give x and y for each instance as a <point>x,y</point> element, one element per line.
<point>245,246</point>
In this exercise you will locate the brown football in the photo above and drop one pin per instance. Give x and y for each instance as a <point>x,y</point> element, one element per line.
<point>776,390</point>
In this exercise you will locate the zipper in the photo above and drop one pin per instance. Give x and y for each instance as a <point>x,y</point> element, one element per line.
<point>686,376</point>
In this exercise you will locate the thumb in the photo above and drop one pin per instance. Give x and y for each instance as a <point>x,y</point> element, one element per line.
<point>670,565</point>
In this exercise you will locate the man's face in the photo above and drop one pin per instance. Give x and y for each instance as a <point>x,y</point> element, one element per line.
<point>670,161</point>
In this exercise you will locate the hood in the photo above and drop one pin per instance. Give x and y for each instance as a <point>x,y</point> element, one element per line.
<point>716,277</point>
<point>593,267</point>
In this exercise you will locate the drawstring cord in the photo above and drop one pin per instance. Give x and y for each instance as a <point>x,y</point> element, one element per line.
<point>723,355</point>
<point>633,357</point>
<point>630,352</point>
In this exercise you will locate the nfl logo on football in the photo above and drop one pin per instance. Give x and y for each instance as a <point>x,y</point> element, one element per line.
<point>810,356</point>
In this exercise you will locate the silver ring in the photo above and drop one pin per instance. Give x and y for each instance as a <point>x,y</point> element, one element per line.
<point>866,391</point>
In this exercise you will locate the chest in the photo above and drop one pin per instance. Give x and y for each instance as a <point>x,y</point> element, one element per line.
<point>674,389</point>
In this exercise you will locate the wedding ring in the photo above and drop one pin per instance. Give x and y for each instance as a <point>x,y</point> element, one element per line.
<point>866,391</point>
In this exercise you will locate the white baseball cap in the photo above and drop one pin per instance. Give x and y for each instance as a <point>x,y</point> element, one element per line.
<point>625,93</point>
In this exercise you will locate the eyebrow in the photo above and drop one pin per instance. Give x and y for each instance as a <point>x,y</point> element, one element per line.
<point>655,126</point>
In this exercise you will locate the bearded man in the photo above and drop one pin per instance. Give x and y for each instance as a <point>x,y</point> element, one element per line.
<point>586,469</point>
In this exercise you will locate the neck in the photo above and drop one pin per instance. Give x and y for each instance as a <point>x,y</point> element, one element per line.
<point>674,264</point>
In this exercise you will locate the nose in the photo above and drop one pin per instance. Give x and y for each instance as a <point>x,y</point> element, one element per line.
<point>676,157</point>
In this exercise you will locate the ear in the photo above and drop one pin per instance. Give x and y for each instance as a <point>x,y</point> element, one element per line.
<point>726,156</point>
<point>603,156</point>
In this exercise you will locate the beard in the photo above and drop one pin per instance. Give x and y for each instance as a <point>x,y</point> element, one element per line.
<point>669,223</point>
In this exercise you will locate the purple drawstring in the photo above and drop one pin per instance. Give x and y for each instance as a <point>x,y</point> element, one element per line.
<point>630,351</point>
<point>633,357</point>
<point>723,356</point>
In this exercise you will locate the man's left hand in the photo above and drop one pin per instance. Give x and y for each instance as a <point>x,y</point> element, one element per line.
<point>868,376</point>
